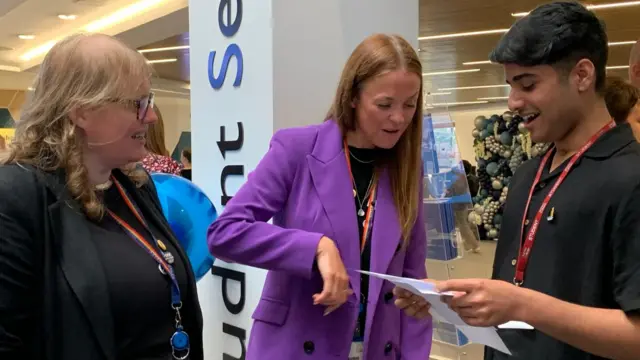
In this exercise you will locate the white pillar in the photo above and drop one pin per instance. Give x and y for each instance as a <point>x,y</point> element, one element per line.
<point>276,64</point>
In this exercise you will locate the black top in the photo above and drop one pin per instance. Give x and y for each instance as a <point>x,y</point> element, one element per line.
<point>589,252</point>
<point>363,162</point>
<point>70,289</point>
<point>186,173</point>
<point>140,295</point>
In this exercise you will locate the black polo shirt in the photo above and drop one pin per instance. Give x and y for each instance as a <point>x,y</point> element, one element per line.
<point>589,254</point>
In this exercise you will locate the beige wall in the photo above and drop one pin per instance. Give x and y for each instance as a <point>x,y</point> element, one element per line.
<point>176,114</point>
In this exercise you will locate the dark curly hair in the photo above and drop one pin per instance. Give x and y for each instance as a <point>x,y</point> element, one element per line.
<point>620,98</point>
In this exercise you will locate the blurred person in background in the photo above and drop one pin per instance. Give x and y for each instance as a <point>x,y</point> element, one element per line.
<point>89,267</point>
<point>466,182</point>
<point>472,177</point>
<point>185,159</point>
<point>158,159</point>
<point>622,101</point>
<point>634,65</point>
<point>319,184</point>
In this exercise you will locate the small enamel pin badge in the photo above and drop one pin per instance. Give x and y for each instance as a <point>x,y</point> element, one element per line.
<point>551,215</point>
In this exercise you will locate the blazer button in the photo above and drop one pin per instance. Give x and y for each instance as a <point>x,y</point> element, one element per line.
<point>309,347</point>
<point>388,297</point>
<point>387,348</point>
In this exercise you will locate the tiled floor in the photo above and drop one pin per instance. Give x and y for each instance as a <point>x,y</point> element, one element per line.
<point>471,265</point>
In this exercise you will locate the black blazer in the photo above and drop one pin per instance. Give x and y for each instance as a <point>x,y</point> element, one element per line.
<point>54,301</point>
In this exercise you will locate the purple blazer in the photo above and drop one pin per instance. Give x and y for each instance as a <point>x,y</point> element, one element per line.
<point>303,183</point>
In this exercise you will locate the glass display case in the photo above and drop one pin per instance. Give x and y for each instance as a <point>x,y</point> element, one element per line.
<point>447,203</point>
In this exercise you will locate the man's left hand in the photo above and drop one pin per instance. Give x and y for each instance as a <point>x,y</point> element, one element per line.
<point>483,302</point>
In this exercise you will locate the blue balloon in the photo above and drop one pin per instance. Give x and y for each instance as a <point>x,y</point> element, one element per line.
<point>492,169</point>
<point>506,138</point>
<point>189,213</point>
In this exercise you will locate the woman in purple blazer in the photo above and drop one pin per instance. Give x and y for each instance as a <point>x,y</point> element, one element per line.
<point>343,195</point>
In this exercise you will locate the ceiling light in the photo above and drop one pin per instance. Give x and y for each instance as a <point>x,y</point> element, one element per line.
<point>594,7</point>
<point>464,34</point>
<point>162,61</point>
<point>168,48</point>
<point>459,103</point>
<point>37,51</point>
<point>475,87</point>
<point>26,37</point>
<point>105,22</point>
<point>618,43</point>
<point>617,67</point>
<point>122,15</point>
<point>9,68</point>
<point>438,93</point>
<point>66,17</point>
<point>494,98</point>
<point>450,72</point>
<point>483,62</point>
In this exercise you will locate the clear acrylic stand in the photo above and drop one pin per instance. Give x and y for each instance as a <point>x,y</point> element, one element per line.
<point>447,204</point>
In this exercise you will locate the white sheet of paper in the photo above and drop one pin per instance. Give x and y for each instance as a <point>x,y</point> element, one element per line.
<point>482,335</point>
<point>517,325</point>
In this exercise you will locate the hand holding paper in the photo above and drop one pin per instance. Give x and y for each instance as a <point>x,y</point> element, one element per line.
<point>425,298</point>
<point>483,302</point>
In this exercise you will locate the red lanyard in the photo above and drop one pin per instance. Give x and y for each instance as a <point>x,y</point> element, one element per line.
<point>527,245</point>
<point>368,217</point>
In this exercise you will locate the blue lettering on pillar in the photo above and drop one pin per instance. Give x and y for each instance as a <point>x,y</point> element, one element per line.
<point>228,27</point>
<point>233,50</point>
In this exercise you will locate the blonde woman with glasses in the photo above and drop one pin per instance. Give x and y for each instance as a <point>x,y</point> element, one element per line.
<point>89,267</point>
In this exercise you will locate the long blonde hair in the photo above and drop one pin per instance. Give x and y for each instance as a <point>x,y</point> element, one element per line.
<point>155,136</point>
<point>71,77</point>
<point>376,55</point>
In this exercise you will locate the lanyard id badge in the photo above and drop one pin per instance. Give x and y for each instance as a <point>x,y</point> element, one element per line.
<point>357,346</point>
<point>357,351</point>
<point>180,339</point>
<point>526,244</point>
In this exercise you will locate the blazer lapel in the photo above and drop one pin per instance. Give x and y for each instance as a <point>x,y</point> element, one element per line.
<point>332,181</point>
<point>386,234</point>
<point>80,263</point>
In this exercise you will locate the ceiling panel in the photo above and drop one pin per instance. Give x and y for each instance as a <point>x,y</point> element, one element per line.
<point>445,17</point>
<point>439,17</point>
<point>178,70</point>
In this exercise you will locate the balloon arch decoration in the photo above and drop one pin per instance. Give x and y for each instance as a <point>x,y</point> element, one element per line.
<point>189,213</point>
<point>501,144</point>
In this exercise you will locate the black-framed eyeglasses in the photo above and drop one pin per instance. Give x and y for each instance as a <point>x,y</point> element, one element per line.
<point>143,105</point>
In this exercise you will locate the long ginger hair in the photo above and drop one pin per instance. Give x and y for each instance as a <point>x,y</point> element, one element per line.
<point>376,55</point>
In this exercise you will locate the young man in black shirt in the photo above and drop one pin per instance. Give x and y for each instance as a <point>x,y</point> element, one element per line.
<point>568,258</point>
